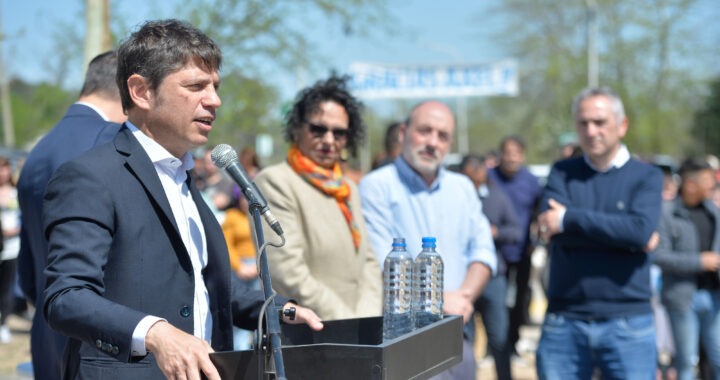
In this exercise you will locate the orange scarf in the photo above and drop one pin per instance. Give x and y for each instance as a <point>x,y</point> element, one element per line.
<point>330,182</point>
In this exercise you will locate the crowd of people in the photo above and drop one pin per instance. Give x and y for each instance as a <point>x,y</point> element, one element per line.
<point>139,257</point>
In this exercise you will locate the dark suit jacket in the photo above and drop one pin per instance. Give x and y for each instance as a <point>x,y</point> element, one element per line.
<point>116,256</point>
<point>79,130</point>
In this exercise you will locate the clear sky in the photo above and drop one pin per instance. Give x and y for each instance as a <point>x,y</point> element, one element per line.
<point>431,32</point>
<point>30,27</point>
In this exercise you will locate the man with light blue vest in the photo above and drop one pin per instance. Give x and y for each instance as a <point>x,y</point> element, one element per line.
<point>415,197</point>
<point>599,213</point>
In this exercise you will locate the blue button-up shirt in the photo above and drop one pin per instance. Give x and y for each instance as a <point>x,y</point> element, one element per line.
<point>396,202</point>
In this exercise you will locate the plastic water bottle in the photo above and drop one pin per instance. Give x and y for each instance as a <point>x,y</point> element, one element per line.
<point>397,291</point>
<point>427,284</point>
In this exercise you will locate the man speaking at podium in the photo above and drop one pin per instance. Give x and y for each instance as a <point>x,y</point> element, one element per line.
<point>138,274</point>
<point>415,196</point>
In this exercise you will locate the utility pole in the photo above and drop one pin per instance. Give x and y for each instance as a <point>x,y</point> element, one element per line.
<point>97,29</point>
<point>7,117</point>
<point>592,43</point>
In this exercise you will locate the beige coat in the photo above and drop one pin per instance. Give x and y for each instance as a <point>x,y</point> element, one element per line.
<point>318,265</point>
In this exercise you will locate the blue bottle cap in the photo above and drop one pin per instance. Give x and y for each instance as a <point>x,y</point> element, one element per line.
<point>399,242</point>
<point>428,241</point>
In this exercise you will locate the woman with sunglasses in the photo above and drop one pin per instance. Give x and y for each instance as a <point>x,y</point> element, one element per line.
<point>327,263</point>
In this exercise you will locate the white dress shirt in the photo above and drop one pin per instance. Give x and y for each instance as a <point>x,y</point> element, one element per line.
<point>173,175</point>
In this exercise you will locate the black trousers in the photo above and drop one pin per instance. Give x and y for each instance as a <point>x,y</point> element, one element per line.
<point>519,313</point>
<point>7,280</point>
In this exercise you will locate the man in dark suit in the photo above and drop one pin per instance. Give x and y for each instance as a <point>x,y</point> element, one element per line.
<point>91,120</point>
<point>138,272</point>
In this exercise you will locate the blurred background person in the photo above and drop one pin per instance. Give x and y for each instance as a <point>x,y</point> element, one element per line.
<point>392,146</point>
<point>250,161</point>
<point>664,336</point>
<point>716,194</point>
<point>492,158</point>
<point>238,235</point>
<point>327,262</point>
<point>217,187</point>
<point>505,230</point>
<point>90,121</point>
<point>689,255</point>
<point>10,245</point>
<point>524,190</point>
<point>241,248</point>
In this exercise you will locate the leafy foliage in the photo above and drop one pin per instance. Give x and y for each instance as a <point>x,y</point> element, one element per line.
<point>706,127</point>
<point>259,38</point>
<point>36,109</point>
<point>642,48</point>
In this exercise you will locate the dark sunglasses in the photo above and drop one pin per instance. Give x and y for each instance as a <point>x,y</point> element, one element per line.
<point>318,131</point>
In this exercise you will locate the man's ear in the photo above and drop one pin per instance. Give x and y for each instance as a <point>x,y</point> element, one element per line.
<point>623,127</point>
<point>139,90</point>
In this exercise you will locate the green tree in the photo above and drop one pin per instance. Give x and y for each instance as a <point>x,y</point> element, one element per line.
<point>259,38</point>
<point>244,112</point>
<point>36,109</point>
<point>706,126</point>
<point>262,37</point>
<point>643,50</point>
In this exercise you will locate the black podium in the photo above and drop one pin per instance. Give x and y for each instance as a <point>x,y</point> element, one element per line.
<point>353,349</point>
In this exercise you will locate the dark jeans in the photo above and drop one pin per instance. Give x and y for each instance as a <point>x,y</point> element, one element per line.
<point>7,280</point>
<point>519,314</point>
<point>491,306</point>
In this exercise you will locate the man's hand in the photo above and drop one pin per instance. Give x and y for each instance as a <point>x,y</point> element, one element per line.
<point>652,242</point>
<point>549,220</point>
<point>303,315</point>
<point>710,261</point>
<point>458,303</point>
<point>247,271</point>
<point>180,355</point>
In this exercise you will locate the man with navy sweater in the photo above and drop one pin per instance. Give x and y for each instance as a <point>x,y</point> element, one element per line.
<point>599,213</point>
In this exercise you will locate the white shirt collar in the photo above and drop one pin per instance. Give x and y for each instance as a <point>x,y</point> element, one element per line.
<point>94,108</point>
<point>159,155</point>
<point>621,158</point>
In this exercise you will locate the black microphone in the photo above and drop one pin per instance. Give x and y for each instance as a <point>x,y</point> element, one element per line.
<point>225,157</point>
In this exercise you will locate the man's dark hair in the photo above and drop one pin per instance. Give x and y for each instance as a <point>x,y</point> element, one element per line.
<point>160,48</point>
<point>307,102</point>
<point>392,136</point>
<point>517,140</point>
<point>473,160</point>
<point>692,166</point>
<point>100,76</point>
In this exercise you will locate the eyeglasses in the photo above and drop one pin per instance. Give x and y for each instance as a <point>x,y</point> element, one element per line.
<point>319,131</point>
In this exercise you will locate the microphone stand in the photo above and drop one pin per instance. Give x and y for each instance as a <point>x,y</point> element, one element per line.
<point>273,317</point>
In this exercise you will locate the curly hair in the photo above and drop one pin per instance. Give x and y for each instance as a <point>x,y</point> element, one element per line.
<point>308,101</point>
